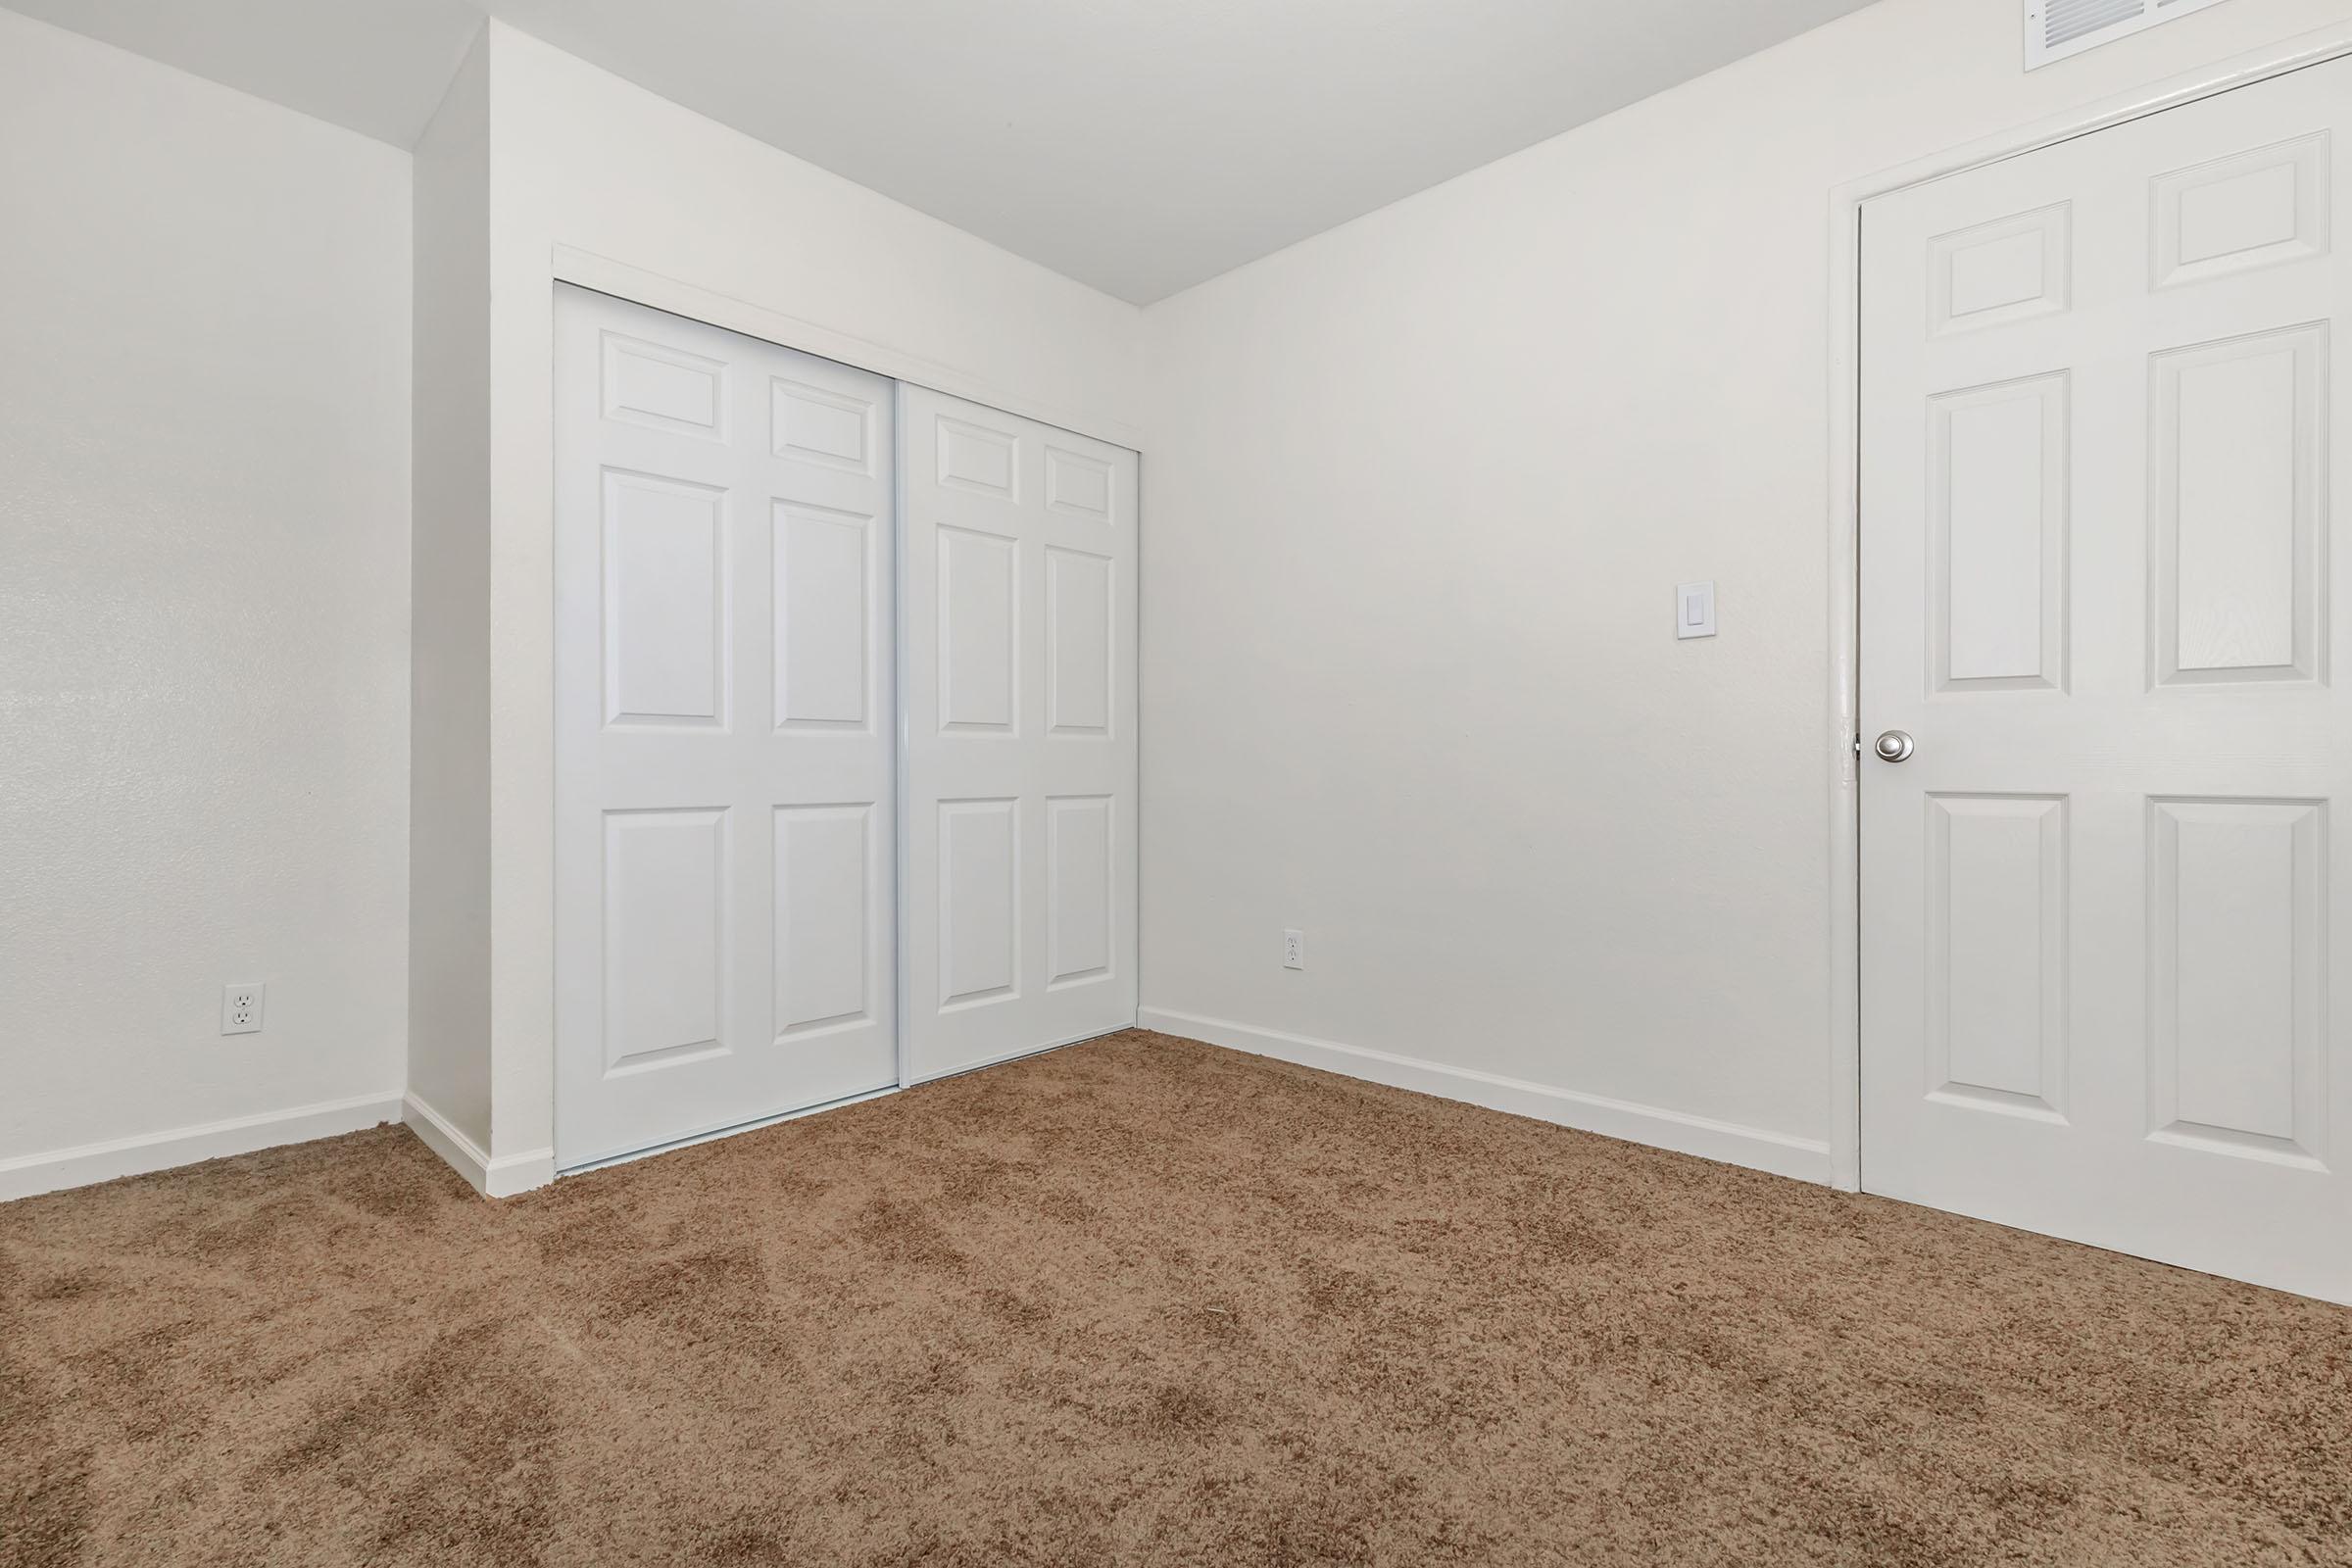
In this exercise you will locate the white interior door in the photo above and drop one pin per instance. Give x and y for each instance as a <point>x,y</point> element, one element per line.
<point>1019,604</point>
<point>2105,935</point>
<point>724,853</point>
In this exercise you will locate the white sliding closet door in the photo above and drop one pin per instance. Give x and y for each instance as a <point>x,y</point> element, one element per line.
<point>1019,598</point>
<point>724,811</point>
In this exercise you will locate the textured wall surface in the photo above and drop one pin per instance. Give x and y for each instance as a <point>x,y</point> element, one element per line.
<point>449,773</point>
<point>204,526</point>
<point>1417,496</point>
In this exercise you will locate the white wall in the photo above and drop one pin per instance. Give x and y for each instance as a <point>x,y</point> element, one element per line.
<point>1416,492</point>
<point>1417,495</point>
<point>756,241</point>
<point>204,525</point>
<point>449,764</point>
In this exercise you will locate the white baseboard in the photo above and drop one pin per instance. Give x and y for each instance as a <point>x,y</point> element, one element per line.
<point>26,1174</point>
<point>1804,1158</point>
<point>503,1177</point>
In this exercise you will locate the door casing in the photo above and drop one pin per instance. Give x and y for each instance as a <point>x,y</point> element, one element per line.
<point>1845,1058</point>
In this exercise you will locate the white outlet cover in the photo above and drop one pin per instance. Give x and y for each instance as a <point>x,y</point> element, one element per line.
<point>1293,950</point>
<point>241,1009</point>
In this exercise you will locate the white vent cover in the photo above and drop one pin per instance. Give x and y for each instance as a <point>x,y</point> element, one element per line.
<point>2056,28</point>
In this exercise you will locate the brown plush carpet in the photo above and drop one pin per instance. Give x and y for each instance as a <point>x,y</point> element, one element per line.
<point>1137,1302</point>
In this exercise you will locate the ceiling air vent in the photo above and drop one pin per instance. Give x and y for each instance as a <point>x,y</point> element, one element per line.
<point>2056,28</point>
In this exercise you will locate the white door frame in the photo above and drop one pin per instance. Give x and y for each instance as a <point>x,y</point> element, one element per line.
<point>2313,48</point>
<point>568,263</point>
<point>672,296</point>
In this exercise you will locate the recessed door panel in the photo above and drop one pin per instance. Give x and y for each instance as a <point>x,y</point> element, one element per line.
<point>827,603</point>
<point>984,458</point>
<point>2237,975</point>
<point>1079,648</point>
<point>1079,483</point>
<point>828,932</point>
<point>823,426</point>
<point>666,592</point>
<point>666,937</point>
<point>2003,270</point>
<point>1080,931</point>
<point>979,631</point>
<point>1998,535</point>
<point>1997,952</point>
<point>979,901</point>
<point>2238,457</point>
<point>664,388</point>
<point>2232,215</point>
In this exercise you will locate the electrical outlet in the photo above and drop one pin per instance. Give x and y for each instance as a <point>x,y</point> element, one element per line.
<point>1293,950</point>
<point>241,1009</point>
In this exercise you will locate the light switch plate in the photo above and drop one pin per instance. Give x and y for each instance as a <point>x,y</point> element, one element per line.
<point>1695,609</point>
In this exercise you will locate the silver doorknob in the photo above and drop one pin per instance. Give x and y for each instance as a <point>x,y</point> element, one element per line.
<point>1893,746</point>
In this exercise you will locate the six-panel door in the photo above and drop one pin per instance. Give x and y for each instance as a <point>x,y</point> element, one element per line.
<point>725,920</point>
<point>1020,690</point>
<point>2104,924</point>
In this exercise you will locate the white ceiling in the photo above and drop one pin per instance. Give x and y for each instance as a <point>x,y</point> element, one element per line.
<point>1137,145</point>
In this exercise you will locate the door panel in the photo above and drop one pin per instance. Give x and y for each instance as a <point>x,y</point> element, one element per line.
<point>1019,600</point>
<point>1996,961</point>
<point>665,936</point>
<point>830,935</point>
<point>726,919</point>
<point>1080,836</point>
<point>2104,937</point>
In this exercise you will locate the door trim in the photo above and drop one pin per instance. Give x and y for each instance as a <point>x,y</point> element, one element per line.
<point>672,296</point>
<point>2313,48</point>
